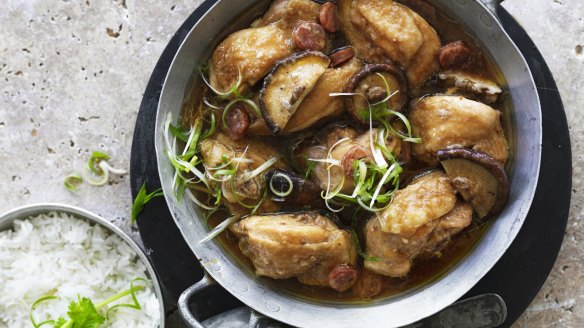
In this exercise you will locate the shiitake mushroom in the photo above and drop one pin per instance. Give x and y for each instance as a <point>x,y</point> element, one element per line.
<point>471,86</point>
<point>369,84</point>
<point>479,178</point>
<point>293,189</point>
<point>289,82</point>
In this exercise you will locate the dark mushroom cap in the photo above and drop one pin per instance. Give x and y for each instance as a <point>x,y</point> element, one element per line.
<point>305,193</point>
<point>371,69</point>
<point>480,179</point>
<point>278,86</point>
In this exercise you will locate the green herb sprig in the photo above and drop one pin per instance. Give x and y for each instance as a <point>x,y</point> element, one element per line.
<point>84,313</point>
<point>141,199</point>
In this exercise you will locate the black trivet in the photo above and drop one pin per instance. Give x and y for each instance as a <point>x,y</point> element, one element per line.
<point>518,275</point>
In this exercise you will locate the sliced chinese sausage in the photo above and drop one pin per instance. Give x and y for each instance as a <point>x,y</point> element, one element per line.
<point>479,178</point>
<point>341,56</point>
<point>454,54</point>
<point>309,36</point>
<point>288,84</point>
<point>328,17</point>
<point>237,122</point>
<point>370,85</point>
<point>343,277</point>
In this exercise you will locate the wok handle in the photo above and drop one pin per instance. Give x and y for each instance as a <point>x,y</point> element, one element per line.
<point>492,5</point>
<point>183,301</point>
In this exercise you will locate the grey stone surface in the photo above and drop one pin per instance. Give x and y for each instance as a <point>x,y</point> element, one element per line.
<point>72,74</point>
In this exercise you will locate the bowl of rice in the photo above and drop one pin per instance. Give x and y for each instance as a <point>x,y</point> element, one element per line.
<point>59,263</point>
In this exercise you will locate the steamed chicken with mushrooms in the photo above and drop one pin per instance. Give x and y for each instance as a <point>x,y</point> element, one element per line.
<point>347,146</point>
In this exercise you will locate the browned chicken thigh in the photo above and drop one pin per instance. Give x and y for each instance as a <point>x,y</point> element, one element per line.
<point>287,13</point>
<point>245,156</point>
<point>381,30</point>
<point>250,53</point>
<point>254,51</point>
<point>455,121</point>
<point>305,245</point>
<point>420,220</point>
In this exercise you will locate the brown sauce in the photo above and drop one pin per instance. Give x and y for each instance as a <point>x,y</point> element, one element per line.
<point>425,270</point>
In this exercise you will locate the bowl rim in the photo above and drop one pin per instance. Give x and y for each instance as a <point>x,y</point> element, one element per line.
<point>26,211</point>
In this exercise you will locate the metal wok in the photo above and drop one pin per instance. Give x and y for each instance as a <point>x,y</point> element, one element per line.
<point>480,20</point>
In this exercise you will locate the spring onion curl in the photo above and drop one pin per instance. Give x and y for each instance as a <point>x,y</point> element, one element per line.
<point>212,127</point>
<point>101,178</point>
<point>328,195</point>
<point>72,181</point>
<point>34,306</point>
<point>95,158</point>
<point>209,104</point>
<point>281,193</point>
<point>232,91</point>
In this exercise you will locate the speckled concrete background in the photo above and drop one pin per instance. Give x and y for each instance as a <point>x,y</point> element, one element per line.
<point>72,74</point>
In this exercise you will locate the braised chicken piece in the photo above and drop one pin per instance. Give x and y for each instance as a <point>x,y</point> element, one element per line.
<point>253,52</point>
<point>342,145</point>
<point>245,156</point>
<point>381,30</point>
<point>455,121</point>
<point>305,245</point>
<point>425,199</point>
<point>420,220</point>
<point>286,14</point>
<point>250,53</point>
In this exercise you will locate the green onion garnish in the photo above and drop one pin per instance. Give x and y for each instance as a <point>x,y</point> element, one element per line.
<point>288,181</point>
<point>72,181</point>
<point>141,199</point>
<point>95,158</point>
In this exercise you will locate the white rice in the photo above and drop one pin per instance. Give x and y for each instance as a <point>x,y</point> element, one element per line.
<point>61,255</point>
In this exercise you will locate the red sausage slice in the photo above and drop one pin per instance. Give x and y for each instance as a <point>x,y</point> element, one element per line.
<point>309,36</point>
<point>454,54</point>
<point>342,277</point>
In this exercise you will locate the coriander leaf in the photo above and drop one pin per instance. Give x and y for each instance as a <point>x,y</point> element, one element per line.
<point>60,322</point>
<point>141,199</point>
<point>84,314</point>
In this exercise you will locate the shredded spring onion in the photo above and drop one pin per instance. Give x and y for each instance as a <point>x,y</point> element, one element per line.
<point>232,91</point>
<point>219,228</point>
<point>198,202</point>
<point>95,158</point>
<point>103,177</point>
<point>72,181</point>
<point>250,175</point>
